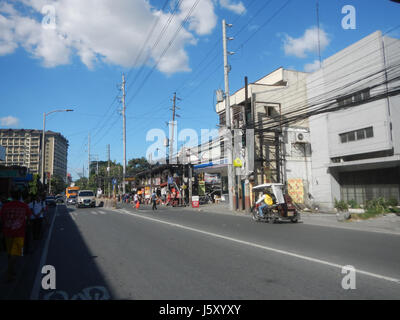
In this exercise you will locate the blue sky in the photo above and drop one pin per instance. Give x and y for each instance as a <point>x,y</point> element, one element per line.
<point>80,63</point>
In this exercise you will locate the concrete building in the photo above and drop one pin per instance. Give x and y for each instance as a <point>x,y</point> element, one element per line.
<point>23,148</point>
<point>281,150</point>
<point>356,145</point>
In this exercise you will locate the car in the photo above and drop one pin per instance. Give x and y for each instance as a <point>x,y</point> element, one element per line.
<point>59,199</point>
<point>71,200</point>
<point>86,198</point>
<point>51,201</point>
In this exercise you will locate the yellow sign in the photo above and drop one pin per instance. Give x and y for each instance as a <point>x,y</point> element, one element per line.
<point>296,190</point>
<point>237,163</point>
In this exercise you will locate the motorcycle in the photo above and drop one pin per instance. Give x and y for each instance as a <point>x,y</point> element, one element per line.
<point>283,208</point>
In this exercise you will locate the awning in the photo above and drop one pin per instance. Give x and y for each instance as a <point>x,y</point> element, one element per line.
<point>199,166</point>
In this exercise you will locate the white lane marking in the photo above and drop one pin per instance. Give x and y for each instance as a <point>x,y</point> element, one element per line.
<point>287,253</point>
<point>94,212</point>
<point>36,286</point>
<point>102,212</point>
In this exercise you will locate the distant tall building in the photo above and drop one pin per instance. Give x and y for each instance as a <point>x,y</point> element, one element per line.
<point>23,148</point>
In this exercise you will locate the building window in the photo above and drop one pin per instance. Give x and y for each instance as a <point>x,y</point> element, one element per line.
<point>357,135</point>
<point>357,97</point>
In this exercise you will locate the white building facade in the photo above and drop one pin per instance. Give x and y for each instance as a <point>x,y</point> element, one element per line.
<point>356,143</point>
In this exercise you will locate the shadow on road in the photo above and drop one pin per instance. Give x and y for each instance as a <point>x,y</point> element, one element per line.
<point>77,274</point>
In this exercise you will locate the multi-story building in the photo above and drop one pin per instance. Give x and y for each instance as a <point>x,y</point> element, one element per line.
<point>355,124</point>
<point>281,150</point>
<point>23,148</point>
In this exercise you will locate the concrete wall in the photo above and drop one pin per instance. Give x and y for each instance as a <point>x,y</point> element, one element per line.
<point>392,57</point>
<point>357,67</point>
<point>373,114</point>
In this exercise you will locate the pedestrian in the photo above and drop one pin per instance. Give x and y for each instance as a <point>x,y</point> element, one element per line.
<point>37,218</point>
<point>28,234</point>
<point>154,200</point>
<point>13,216</point>
<point>136,201</point>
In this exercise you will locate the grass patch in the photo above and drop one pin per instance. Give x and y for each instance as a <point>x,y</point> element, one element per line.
<point>365,216</point>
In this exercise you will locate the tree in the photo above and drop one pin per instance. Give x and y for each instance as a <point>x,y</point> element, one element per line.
<point>137,165</point>
<point>58,184</point>
<point>81,183</point>
<point>35,186</point>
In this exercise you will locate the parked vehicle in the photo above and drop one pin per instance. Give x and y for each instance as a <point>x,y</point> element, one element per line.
<point>86,198</point>
<point>208,198</point>
<point>282,209</point>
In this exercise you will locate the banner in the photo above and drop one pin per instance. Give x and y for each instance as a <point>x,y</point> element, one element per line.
<point>296,190</point>
<point>202,188</point>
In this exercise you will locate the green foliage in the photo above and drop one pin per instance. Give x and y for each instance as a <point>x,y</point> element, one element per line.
<point>137,165</point>
<point>377,206</point>
<point>353,204</point>
<point>341,205</point>
<point>392,202</point>
<point>58,184</point>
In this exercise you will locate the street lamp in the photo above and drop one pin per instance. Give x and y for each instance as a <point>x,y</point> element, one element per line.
<point>43,138</point>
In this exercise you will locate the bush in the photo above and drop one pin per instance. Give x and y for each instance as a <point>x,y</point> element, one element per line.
<point>378,206</point>
<point>353,204</point>
<point>393,202</point>
<point>341,205</point>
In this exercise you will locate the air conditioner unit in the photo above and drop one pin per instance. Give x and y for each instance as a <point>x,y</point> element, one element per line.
<point>302,137</point>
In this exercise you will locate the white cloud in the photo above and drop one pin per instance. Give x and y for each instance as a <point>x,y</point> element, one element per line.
<point>238,8</point>
<point>203,18</point>
<point>311,67</point>
<point>9,121</point>
<point>104,31</point>
<point>308,43</point>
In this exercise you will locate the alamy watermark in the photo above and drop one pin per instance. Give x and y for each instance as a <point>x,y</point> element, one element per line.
<point>49,19</point>
<point>349,280</point>
<point>219,146</point>
<point>349,20</point>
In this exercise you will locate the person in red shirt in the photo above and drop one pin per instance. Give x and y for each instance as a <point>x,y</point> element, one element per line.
<point>13,216</point>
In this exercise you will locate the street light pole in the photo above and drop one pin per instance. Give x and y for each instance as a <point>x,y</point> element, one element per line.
<point>44,139</point>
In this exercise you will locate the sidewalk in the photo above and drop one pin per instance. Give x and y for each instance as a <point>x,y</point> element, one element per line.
<point>389,223</point>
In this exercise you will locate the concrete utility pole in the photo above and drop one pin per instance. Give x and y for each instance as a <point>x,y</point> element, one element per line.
<point>124,132</point>
<point>171,142</point>
<point>190,179</point>
<point>108,170</point>
<point>231,181</point>
<point>88,158</point>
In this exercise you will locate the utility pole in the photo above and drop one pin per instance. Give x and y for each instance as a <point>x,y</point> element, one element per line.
<point>108,170</point>
<point>124,132</point>
<point>190,179</point>
<point>231,181</point>
<point>88,158</point>
<point>171,142</point>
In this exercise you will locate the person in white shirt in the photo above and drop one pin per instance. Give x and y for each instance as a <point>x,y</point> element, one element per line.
<point>37,218</point>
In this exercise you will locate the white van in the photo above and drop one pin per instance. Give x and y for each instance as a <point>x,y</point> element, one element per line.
<point>86,198</point>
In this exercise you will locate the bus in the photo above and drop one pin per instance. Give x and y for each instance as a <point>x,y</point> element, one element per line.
<point>71,191</point>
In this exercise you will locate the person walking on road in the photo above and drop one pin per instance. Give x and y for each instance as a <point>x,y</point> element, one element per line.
<point>154,199</point>
<point>13,216</point>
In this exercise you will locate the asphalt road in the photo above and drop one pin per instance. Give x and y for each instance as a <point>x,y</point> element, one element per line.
<point>177,253</point>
